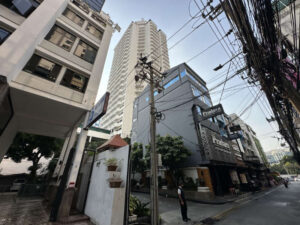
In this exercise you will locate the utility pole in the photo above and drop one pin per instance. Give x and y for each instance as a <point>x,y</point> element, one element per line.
<point>146,72</point>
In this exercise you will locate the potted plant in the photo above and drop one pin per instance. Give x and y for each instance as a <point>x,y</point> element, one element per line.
<point>112,164</point>
<point>115,183</point>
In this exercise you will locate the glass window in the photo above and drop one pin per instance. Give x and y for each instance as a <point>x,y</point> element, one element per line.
<point>171,82</point>
<point>74,17</point>
<point>205,88</point>
<point>74,81</point>
<point>99,19</point>
<point>183,73</point>
<point>42,67</point>
<point>198,108</point>
<point>86,52</point>
<point>94,31</point>
<point>196,92</point>
<point>4,34</point>
<point>207,100</point>
<point>61,38</point>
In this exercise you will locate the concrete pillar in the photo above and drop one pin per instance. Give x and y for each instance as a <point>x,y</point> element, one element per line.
<point>78,154</point>
<point>8,136</point>
<point>67,198</point>
<point>70,144</point>
<point>61,157</point>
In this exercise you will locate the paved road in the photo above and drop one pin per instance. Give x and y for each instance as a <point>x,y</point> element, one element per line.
<point>278,207</point>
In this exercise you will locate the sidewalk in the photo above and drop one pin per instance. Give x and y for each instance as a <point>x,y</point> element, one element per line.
<point>217,200</point>
<point>25,211</point>
<point>198,212</point>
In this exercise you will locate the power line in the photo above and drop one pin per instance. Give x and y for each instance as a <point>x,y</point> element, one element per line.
<point>203,93</point>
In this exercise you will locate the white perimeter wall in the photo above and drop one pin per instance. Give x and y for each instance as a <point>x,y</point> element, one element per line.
<point>105,205</point>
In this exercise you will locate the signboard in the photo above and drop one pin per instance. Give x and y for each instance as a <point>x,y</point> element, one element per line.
<point>233,136</point>
<point>243,178</point>
<point>235,128</point>
<point>98,110</point>
<point>220,143</point>
<point>212,111</point>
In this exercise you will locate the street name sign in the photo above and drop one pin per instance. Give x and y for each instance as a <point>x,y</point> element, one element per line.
<point>98,110</point>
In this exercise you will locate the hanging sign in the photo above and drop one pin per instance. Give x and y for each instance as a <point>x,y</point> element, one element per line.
<point>98,110</point>
<point>212,111</point>
<point>235,128</point>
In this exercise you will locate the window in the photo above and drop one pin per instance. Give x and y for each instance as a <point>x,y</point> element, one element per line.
<point>86,52</point>
<point>42,68</point>
<point>183,73</point>
<point>94,31</point>
<point>196,92</point>
<point>74,17</point>
<point>207,100</point>
<point>74,81</point>
<point>205,88</point>
<point>4,34</point>
<point>171,82</point>
<point>99,19</point>
<point>61,38</point>
<point>198,108</point>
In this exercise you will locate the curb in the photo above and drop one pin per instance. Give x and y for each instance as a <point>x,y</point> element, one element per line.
<point>197,201</point>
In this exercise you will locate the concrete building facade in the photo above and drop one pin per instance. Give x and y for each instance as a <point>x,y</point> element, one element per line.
<point>140,38</point>
<point>274,156</point>
<point>185,95</point>
<point>52,58</point>
<point>247,140</point>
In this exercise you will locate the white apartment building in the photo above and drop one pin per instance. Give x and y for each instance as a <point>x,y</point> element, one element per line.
<point>247,143</point>
<point>52,56</point>
<point>141,37</point>
<point>274,156</point>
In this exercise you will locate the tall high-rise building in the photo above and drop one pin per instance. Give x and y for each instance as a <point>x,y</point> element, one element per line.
<point>95,4</point>
<point>141,37</point>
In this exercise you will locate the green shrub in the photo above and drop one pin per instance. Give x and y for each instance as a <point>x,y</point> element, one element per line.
<point>111,162</point>
<point>137,207</point>
<point>190,184</point>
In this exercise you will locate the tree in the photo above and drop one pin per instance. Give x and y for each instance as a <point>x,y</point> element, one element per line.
<point>287,165</point>
<point>138,161</point>
<point>33,148</point>
<point>173,153</point>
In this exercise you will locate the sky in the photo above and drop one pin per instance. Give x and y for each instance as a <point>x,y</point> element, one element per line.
<point>169,16</point>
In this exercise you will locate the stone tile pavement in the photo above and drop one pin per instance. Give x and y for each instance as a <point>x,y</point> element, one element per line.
<point>25,211</point>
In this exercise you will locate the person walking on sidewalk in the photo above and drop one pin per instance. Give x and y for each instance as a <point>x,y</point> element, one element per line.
<point>182,202</point>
